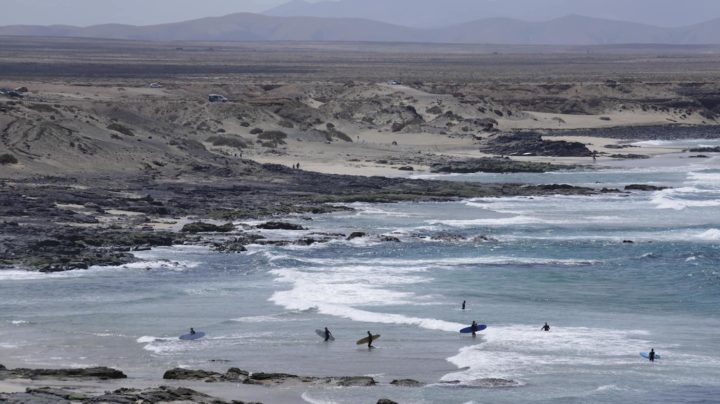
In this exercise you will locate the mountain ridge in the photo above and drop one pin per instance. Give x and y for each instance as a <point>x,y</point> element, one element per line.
<point>567,30</point>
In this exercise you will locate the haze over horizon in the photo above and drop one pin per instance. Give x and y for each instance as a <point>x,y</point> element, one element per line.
<point>413,13</point>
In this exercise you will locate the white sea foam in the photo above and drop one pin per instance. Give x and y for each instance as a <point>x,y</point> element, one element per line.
<point>503,221</point>
<point>710,235</point>
<point>516,351</point>
<point>308,399</point>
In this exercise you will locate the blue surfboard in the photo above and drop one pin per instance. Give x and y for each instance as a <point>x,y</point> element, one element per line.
<point>480,327</point>
<point>192,337</point>
<point>646,355</point>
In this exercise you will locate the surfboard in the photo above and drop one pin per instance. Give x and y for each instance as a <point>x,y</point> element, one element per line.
<point>366,339</point>
<point>192,337</point>
<point>468,330</point>
<point>321,333</point>
<point>646,355</point>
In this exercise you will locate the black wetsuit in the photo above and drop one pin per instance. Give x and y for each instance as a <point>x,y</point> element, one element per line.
<point>463,306</point>
<point>192,331</point>
<point>370,339</point>
<point>475,328</point>
<point>327,335</point>
<point>651,355</point>
<point>546,327</point>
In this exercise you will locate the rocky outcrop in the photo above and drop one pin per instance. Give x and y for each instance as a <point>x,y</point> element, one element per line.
<point>357,234</point>
<point>644,187</point>
<point>494,165</point>
<point>532,144</point>
<point>386,401</point>
<point>162,394</point>
<point>280,226</point>
<point>488,383</point>
<point>102,373</point>
<point>407,383</point>
<point>704,150</point>
<point>188,374</point>
<point>201,227</point>
<point>630,156</point>
<point>267,379</point>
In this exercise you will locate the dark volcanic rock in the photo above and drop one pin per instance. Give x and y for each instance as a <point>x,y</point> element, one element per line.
<point>386,401</point>
<point>162,394</point>
<point>704,150</point>
<point>357,234</point>
<point>201,227</point>
<point>280,226</point>
<point>389,239</point>
<point>357,381</point>
<point>519,144</point>
<point>407,383</point>
<point>630,156</point>
<point>642,187</point>
<point>188,374</point>
<point>494,165</point>
<point>102,373</point>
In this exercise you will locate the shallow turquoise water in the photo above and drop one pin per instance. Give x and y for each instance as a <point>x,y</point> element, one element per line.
<point>557,259</point>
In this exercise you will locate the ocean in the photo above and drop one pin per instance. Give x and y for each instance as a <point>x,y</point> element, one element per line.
<point>613,275</point>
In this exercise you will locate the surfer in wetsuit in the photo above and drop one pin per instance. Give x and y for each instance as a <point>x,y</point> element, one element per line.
<point>327,334</point>
<point>475,328</point>
<point>370,340</point>
<point>546,327</point>
<point>651,355</point>
<point>192,331</point>
<point>463,305</point>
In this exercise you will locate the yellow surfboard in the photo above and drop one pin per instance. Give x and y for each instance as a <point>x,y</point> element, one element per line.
<point>366,339</point>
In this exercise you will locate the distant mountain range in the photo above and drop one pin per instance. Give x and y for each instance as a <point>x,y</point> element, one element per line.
<point>569,30</point>
<point>441,13</point>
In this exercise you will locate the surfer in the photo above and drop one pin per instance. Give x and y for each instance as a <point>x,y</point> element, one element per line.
<point>370,340</point>
<point>327,334</point>
<point>192,331</point>
<point>546,327</point>
<point>475,328</point>
<point>651,355</point>
<point>463,306</point>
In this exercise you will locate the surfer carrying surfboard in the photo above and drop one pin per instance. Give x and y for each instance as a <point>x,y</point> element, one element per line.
<point>370,340</point>
<point>651,355</point>
<point>327,334</point>
<point>475,328</point>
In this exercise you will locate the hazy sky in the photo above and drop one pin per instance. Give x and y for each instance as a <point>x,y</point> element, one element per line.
<point>139,12</point>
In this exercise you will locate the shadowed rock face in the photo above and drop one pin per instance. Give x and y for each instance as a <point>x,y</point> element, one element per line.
<point>267,379</point>
<point>494,165</point>
<point>532,144</point>
<point>47,395</point>
<point>102,373</point>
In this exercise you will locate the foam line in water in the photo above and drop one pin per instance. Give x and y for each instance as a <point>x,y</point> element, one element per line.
<point>518,351</point>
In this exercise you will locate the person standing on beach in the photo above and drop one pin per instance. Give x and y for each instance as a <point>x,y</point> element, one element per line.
<point>327,334</point>
<point>546,327</point>
<point>370,340</point>
<point>463,305</point>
